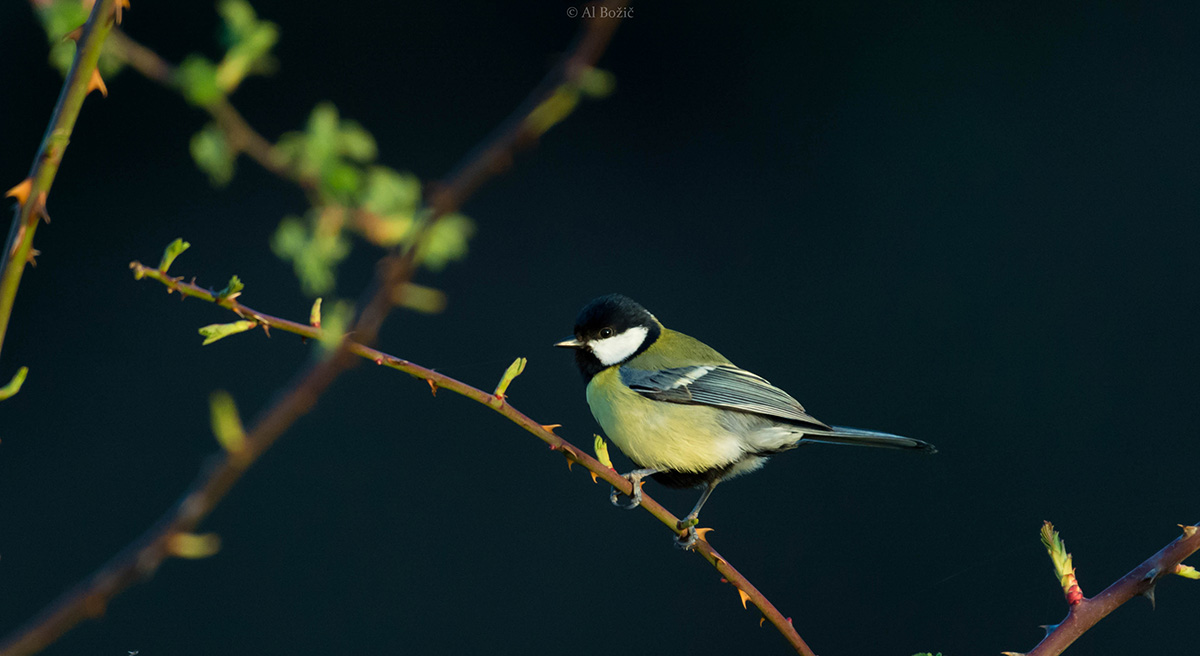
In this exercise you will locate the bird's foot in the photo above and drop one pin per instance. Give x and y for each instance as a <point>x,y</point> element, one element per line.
<point>688,540</point>
<point>635,478</point>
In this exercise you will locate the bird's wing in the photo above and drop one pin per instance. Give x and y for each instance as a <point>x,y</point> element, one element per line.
<point>722,386</point>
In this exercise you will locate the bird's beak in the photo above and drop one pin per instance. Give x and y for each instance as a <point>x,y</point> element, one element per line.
<point>570,342</point>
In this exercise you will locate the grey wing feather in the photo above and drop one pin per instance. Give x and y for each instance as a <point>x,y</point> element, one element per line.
<point>722,386</point>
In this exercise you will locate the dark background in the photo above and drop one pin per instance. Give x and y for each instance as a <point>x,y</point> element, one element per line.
<point>968,223</point>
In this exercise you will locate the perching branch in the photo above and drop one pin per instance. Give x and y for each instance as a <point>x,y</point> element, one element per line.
<point>31,192</point>
<point>438,381</point>
<point>171,535</point>
<point>1141,581</point>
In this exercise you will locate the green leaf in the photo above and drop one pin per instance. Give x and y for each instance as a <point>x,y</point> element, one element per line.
<point>342,180</point>
<point>1058,552</point>
<point>226,424</point>
<point>314,315</point>
<point>232,289</point>
<point>602,452</point>
<point>388,191</point>
<point>171,252</point>
<point>216,331</point>
<point>15,384</point>
<point>322,125</point>
<point>289,238</point>
<point>511,373</point>
<point>249,41</point>
<point>355,142</point>
<point>420,298</point>
<point>238,15</point>
<point>197,78</point>
<point>59,19</point>
<point>553,109</point>
<point>213,155</point>
<point>597,83</point>
<point>314,254</point>
<point>335,324</point>
<point>446,241</point>
<point>193,546</point>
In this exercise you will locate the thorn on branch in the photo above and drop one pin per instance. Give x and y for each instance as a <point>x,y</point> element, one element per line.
<point>743,596</point>
<point>73,35</point>
<point>39,207</point>
<point>570,455</point>
<point>20,191</point>
<point>433,387</point>
<point>97,82</point>
<point>16,243</point>
<point>120,4</point>
<point>1148,593</point>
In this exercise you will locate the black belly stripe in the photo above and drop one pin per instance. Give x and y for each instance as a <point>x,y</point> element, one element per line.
<point>682,479</point>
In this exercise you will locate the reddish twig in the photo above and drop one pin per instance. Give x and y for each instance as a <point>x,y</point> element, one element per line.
<point>1141,581</point>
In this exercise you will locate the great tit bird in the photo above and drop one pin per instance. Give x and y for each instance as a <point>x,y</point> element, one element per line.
<point>684,413</point>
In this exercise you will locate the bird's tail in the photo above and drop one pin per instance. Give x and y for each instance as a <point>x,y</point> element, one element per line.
<point>857,437</point>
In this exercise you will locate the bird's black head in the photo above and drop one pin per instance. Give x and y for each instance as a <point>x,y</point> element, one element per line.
<point>610,331</point>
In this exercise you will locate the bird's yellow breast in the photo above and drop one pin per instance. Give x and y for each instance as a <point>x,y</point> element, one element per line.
<point>660,435</point>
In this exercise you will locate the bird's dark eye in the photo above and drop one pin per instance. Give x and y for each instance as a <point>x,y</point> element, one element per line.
<point>606,332</point>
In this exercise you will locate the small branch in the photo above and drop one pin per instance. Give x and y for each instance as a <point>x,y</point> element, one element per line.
<point>32,192</point>
<point>1141,581</point>
<point>439,381</point>
<point>241,136</point>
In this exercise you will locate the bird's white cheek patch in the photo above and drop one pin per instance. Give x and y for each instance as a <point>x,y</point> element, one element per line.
<point>618,348</point>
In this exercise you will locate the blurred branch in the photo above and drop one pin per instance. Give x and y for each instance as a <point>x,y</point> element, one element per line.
<point>144,555</point>
<point>241,136</point>
<point>31,192</point>
<point>499,403</point>
<point>1141,581</point>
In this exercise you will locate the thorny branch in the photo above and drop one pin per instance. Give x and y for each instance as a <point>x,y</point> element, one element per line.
<point>31,193</point>
<point>1140,581</point>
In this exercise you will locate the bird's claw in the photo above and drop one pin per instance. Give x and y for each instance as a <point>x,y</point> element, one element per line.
<point>635,478</point>
<point>689,541</point>
<point>634,501</point>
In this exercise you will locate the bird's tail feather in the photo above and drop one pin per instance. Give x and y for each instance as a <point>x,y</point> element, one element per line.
<point>857,437</point>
